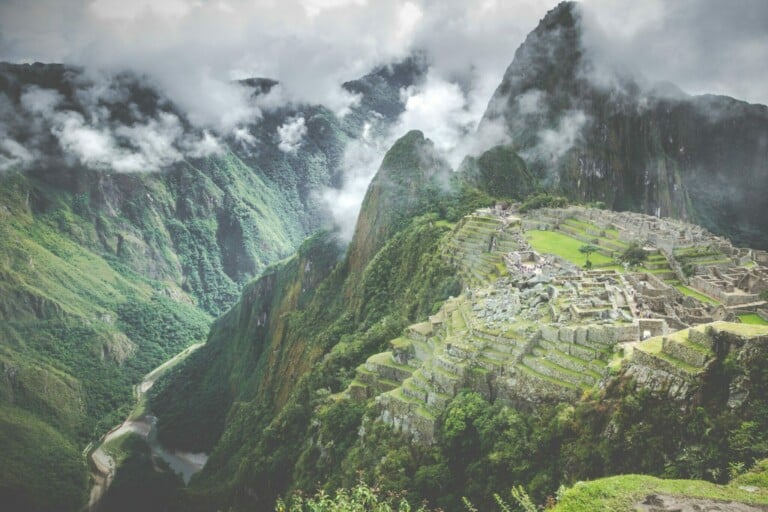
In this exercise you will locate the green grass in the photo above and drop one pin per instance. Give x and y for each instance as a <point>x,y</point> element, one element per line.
<point>752,319</point>
<point>401,343</point>
<point>654,346</point>
<point>622,493</point>
<point>696,295</point>
<point>566,247</point>
<point>748,330</point>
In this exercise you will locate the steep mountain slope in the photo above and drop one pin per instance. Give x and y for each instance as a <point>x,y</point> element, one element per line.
<point>599,134</point>
<point>269,396</point>
<point>298,331</point>
<point>105,272</point>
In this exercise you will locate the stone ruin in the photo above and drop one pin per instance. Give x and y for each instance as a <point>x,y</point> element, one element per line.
<point>532,328</point>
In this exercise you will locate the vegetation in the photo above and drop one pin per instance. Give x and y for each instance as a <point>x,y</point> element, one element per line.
<point>752,318</point>
<point>543,200</point>
<point>696,295</point>
<point>626,491</point>
<point>42,469</point>
<point>586,250</point>
<point>634,254</point>
<point>500,173</point>
<point>564,246</point>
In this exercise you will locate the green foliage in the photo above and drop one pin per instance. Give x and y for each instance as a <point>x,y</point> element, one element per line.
<point>627,491</point>
<point>543,200</point>
<point>500,173</point>
<point>360,498</point>
<point>634,254</point>
<point>42,470</point>
<point>586,250</point>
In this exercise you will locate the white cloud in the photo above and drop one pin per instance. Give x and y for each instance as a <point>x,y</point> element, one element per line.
<point>552,144</point>
<point>291,133</point>
<point>146,146</point>
<point>13,155</point>
<point>362,158</point>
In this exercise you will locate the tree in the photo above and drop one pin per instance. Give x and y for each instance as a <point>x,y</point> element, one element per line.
<point>634,254</point>
<point>586,250</point>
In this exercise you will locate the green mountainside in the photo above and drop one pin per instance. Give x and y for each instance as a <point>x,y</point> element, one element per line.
<point>455,349</point>
<point>107,274</point>
<point>327,385</point>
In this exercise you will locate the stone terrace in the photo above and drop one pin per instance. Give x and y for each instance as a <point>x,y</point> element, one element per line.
<point>533,328</point>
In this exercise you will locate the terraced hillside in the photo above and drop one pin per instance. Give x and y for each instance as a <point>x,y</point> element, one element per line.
<point>533,327</point>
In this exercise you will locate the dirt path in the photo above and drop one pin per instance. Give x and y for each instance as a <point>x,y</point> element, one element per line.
<point>103,465</point>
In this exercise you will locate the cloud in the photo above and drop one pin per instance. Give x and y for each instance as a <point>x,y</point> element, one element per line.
<point>13,155</point>
<point>193,49</point>
<point>553,144</point>
<point>360,162</point>
<point>291,133</point>
<point>147,146</point>
<point>703,46</point>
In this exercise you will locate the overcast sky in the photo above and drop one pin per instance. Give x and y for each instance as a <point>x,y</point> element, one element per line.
<point>191,46</point>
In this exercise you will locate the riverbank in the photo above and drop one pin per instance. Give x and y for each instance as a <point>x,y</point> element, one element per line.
<point>142,423</point>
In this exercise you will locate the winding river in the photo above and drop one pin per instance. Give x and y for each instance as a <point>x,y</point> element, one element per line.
<point>103,465</point>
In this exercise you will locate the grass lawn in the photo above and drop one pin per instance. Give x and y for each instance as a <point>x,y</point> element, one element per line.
<point>551,242</point>
<point>693,293</point>
<point>624,492</point>
<point>752,319</point>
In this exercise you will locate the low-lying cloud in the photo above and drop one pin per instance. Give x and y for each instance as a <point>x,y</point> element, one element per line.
<point>91,140</point>
<point>291,134</point>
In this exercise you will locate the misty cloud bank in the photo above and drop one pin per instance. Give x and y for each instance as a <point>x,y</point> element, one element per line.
<point>89,135</point>
<point>193,53</point>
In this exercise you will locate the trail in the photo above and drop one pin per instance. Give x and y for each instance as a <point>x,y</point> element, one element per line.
<point>103,465</point>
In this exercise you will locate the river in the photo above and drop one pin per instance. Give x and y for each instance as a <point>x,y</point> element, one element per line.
<point>103,465</point>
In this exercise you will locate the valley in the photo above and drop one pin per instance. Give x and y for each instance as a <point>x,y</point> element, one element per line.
<point>141,423</point>
<point>339,256</point>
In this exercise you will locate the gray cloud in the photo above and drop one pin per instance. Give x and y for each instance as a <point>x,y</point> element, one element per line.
<point>192,51</point>
<point>703,46</point>
<point>89,137</point>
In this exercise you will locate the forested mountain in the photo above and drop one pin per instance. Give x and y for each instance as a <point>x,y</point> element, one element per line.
<point>130,230</point>
<point>285,356</point>
<point>125,229</point>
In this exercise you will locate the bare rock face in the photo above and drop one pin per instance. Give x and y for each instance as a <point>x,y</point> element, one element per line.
<point>632,146</point>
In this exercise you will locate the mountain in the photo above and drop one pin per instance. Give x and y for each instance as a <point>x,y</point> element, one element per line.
<point>595,132</point>
<point>436,356</point>
<point>125,229</point>
<point>299,330</point>
<point>427,363</point>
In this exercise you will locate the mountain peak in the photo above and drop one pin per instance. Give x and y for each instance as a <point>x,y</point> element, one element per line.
<point>547,62</point>
<point>410,174</point>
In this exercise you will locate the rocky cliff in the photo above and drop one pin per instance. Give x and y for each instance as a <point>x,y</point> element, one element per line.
<point>598,133</point>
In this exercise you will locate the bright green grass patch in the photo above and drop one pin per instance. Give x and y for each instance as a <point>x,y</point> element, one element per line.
<point>752,319</point>
<point>400,343</point>
<point>654,346</point>
<point>748,330</point>
<point>696,295</point>
<point>621,493</point>
<point>564,246</point>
